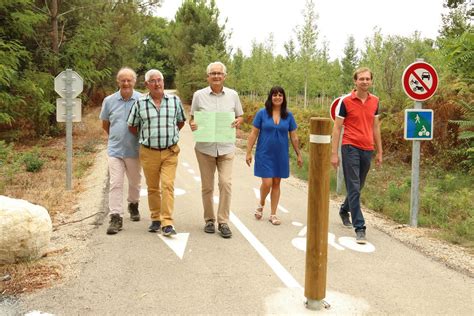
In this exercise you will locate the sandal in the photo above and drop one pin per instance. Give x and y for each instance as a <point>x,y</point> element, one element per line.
<point>274,220</point>
<point>259,212</point>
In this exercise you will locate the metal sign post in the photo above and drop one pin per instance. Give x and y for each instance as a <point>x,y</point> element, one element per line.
<point>419,81</point>
<point>68,84</point>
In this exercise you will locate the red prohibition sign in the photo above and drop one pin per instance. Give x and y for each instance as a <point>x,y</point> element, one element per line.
<point>420,81</point>
<point>332,109</point>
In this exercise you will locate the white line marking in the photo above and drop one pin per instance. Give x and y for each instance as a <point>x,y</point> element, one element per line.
<point>272,262</point>
<point>198,179</point>
<point>191,171</point>
<point>298,224</point>
<point>185,164</point>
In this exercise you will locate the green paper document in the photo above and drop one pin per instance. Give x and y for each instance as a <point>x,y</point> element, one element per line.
<point>214,127</point>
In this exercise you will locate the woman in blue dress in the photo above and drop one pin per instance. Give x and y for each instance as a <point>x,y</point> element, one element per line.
<point>271,127</point>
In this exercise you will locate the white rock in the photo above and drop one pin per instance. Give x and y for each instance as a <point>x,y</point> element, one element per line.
<point>25,230</point>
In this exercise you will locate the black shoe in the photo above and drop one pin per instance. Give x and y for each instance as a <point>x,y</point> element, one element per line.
<point>360,237</point>
<point>134,213</point>
<point>345,219</point>
<point>225,230</point>
<point>115,224</point>
<point>168,231</point>
<point>210,228</point>
<point>154,227</point>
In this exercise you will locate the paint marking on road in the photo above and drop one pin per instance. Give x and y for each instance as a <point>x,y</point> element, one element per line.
<point>300,242</point>
<point>215,199</point>
<point>178,191</point>
<point>257,195</point>
<point>303,231</point>
<point>276,266</point>
<point>332,242</point>
<point>191,171</point>
<point>185,164</point>
<point>297,224</point>
<point>198,179</point>
<point>177,243</point>
<point>350,242</point>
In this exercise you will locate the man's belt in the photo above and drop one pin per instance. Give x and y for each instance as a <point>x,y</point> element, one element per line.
<point>159,149</point>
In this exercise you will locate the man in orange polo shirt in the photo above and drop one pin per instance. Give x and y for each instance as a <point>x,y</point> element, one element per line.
<point>359,113</point>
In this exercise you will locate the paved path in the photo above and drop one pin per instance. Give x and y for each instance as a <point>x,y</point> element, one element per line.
<point>260,270</point>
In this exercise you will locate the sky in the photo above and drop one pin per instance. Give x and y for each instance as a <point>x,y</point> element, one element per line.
<point>254,20</point>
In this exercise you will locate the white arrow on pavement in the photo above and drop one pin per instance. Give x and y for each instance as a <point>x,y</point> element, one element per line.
<point>177,243</point>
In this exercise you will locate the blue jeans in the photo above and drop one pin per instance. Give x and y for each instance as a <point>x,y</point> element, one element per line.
<point>356,165</point>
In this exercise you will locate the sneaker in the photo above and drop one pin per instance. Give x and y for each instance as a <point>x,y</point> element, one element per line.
<point>154,227</point>
<point>168,231</point>
<point>210,228</point>
<point>115,224</point>
<point>345,219</point>
<point>225,230</point>
<point>134,213</point>
<point>360,237</point>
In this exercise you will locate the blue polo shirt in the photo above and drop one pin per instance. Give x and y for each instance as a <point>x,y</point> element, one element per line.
<point>121,143</point>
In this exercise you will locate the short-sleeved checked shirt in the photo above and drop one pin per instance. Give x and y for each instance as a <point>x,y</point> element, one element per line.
<point>226,101</point>
<point>158,128</point>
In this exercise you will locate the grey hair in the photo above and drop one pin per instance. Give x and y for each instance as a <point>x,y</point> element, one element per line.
<point>224,68</point>
<point>153,72</point>
<point>127,69</point>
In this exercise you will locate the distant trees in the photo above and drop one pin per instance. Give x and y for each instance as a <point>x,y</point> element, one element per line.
<point>196,40</point>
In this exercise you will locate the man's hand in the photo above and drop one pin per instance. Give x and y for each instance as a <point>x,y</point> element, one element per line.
<point>335,160</point>
<point>378,159</point>
<point>237,122</point>
<point>193,125</point>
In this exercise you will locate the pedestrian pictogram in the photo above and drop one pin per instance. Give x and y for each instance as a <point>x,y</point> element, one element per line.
<point>418,124</point>
<point>420,81</point>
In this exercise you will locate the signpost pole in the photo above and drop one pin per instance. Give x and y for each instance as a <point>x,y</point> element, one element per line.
<point>68,129</point>
<point>415,176</point>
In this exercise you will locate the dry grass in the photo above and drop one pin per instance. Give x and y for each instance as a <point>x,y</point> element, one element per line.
<point>27,277</point>
<point>47,188</point>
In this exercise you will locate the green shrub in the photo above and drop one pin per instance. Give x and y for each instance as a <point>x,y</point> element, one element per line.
<point>32,161</point>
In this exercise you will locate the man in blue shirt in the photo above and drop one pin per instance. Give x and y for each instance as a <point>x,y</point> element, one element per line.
<point>122,149</point>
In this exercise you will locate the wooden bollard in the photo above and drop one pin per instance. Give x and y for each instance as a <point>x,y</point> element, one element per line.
<point>318,213</point>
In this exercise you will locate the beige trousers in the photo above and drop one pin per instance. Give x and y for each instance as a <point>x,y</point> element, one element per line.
<point>207,168</point>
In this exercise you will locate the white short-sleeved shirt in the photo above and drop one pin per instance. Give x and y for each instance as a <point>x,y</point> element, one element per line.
<point>226,101</point>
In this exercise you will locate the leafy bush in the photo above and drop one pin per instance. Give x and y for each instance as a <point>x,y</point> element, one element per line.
<point>32,161</point>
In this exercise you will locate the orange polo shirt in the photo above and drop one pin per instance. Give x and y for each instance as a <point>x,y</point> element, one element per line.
<point>358,120</point>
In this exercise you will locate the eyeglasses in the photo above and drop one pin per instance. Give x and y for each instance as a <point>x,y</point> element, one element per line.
<point>155,81</point>
<point>215,74</point>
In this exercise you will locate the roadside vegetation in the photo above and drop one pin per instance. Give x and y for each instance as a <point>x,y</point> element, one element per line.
<point>39,39</point>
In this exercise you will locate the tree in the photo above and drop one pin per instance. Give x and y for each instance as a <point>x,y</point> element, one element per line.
<point>196,22</point>
<point>349,63</point>
<point>307,35</point>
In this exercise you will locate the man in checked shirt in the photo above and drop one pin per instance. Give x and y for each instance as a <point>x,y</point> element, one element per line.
<point>157,118</point>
